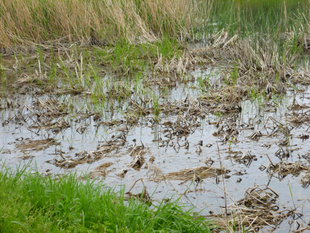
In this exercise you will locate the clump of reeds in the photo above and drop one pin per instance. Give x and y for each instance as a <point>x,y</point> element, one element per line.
<point>23,21</point>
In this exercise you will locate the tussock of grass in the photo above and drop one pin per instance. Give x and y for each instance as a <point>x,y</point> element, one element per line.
<point>33,203</point>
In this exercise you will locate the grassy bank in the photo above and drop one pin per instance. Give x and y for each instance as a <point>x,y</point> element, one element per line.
<point>33,203</point>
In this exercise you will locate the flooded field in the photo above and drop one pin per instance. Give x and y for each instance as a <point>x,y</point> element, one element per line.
<point>206,103</point>
<point>248,161</point>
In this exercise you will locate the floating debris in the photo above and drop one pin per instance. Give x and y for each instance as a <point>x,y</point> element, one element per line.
<point>103,150</point>
<point>26,157</point>
<point>51,107</point>
<point>299,118</point>
<point>138,162</point>
<point>55,126</point>
<point>36,145</point>
<point>305,180</point>
<point>194,174</point>
<point>256,210</point>
<point>246,159</point>
<point>259,208</point>
<point>256,136</point>
<point>283,169</point>
<point>138,153</point>
<point>101,170</point>
<point>303,137</point>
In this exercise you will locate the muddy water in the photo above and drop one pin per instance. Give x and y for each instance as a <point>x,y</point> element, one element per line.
<point>251,146</point>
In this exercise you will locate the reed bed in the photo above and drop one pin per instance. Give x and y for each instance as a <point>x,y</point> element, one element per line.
<point>26,21</point>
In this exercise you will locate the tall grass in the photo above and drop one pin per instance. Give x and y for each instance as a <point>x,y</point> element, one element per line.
<point>104,20</point>
<point>34,203</point>
<point>264,17</point>
<point>107,21</point>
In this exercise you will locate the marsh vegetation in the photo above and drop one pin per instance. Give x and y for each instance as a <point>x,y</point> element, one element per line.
<point>204,102</point>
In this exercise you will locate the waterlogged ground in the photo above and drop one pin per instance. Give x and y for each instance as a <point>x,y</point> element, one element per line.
<point>251,161</point>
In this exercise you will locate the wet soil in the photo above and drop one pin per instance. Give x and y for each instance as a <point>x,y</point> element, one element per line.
<point>249,158</point>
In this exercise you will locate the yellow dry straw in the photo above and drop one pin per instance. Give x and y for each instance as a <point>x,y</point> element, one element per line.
<point>26,21</point>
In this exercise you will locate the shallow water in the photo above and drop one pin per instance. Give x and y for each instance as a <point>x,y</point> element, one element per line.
<point>245,143</point>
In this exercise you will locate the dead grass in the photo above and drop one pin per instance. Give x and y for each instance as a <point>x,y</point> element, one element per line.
<point>102,170</point>
<point>258,209</point>
<point>284,169</point>
<point>95,22</point>
<point>253,68</point>
<point>192,174</point>
<point>37,145</point>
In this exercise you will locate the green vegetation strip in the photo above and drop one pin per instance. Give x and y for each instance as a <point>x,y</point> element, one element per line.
<point>34,203</point>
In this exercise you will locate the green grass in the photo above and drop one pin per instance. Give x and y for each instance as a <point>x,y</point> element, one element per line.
<point>125,58</point>
<point>261,17</point>
<point>34,203</point>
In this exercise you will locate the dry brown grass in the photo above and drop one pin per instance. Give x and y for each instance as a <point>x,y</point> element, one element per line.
<point>25,21</point>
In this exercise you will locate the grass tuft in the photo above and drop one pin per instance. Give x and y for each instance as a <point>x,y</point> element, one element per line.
<point>34,203</point>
